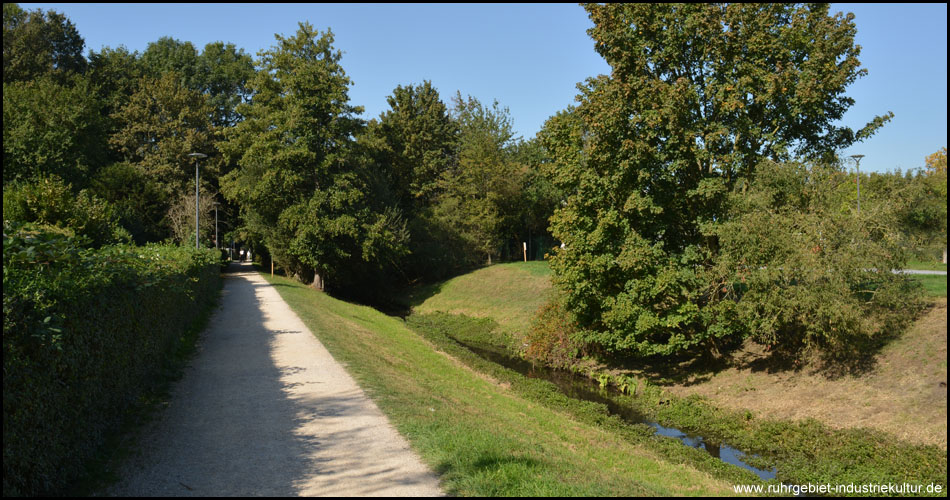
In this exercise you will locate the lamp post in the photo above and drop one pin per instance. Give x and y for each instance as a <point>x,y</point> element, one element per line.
<point>857,165</point>
<point>216,245</point>
<point>196,156</point>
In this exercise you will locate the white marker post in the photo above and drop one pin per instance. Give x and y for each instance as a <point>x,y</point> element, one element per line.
<point>525,245</point>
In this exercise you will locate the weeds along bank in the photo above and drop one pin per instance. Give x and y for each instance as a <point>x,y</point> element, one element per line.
<point>83,332</point>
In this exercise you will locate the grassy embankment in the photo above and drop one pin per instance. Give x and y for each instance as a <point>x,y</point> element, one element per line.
<point>486,435</point>
<point>935,286</point>
<point>930,265</point>
<point>902,396</point>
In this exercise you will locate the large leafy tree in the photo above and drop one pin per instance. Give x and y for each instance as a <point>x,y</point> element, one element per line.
<point>39,43</point>
<point>160,125</point>
<point>52,128</point>
<point>221,71</point>
<point>226,71</point>
<point>698,95</point>
<point>479,191</point>
<point>417,140</point>
<point>170,55</point>
<point>297,183</point>
<point>117,73</point>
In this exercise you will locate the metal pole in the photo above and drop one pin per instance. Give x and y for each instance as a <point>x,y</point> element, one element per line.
<point>857,166</point>
<point>216,245</point>
<point>196,156</point>
<point>196,203</point>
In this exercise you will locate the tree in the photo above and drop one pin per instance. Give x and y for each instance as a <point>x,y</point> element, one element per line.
<point>297,181</point>
<point>170,55</point>
<point>418,143</point>
<point>37,43</point>
<point>117,73</point>
<point>181,216</point>
<point>141,202</point>
<point>937,162</point>
<point>160,125</point>
<point>226,71</point>
<point>698,96</point>
<point>221,71</point>
<point>538,199</point>
<point>478,192</point>
<point>51,128</point>
<point>800,268</point>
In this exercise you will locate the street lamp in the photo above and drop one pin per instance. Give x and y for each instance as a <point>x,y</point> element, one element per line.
<point>216,205</point>
<point>196,156</point>
<point>857,165</point>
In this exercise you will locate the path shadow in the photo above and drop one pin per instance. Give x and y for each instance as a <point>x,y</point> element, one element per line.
<point>233,426</point>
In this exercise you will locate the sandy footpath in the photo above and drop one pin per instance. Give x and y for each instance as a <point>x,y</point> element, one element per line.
<point>264,410</point>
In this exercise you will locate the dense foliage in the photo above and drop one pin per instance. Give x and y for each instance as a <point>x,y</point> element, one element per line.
<point>51,203</point>
<point>798,268</point>
<point>699,95</point>
<point>83,331</point>
<point>920,200</point>
<point>298,183</point>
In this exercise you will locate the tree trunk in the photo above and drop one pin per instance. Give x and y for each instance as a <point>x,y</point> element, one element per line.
<point>317,282</point>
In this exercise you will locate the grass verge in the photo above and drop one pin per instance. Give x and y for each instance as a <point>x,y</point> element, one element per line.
<point>931,265</point>
<point>803,452</point>
<point>484,433</point>
<point>934,285</point>
<point>507,293</point>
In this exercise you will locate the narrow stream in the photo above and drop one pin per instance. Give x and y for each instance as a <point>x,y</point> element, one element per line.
<point>586,389</point>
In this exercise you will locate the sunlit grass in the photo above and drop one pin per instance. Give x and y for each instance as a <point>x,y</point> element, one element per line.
<point>481,438</point>
<point>934,285</point>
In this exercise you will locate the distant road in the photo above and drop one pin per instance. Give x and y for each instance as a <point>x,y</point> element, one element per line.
<point>915,271</point>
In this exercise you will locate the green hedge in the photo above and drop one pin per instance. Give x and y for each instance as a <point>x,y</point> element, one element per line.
<point>83,331</point>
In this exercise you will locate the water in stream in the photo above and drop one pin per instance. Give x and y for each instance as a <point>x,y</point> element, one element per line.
<point>581,388</point>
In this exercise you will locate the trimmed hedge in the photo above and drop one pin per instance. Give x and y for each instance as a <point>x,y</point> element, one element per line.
<point>83,332</point>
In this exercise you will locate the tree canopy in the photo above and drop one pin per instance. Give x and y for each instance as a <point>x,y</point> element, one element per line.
<point>297,181</point>
<point>39,43</point>
<point>698,96</point>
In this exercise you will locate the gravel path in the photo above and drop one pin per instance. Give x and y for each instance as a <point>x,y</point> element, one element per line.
<point>264,410</point>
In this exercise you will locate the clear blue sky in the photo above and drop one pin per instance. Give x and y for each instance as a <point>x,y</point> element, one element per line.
<point>530,57</point>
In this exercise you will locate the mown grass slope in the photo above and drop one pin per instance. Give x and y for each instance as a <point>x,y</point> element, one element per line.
<point>479,436</point>
<point>902,395</point>
<point>510,294</point>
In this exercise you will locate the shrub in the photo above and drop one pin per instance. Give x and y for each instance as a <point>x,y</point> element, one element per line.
<point>552,336</point>
<point>83,331</point>
<point>50,201</point>
<point>799,269</point>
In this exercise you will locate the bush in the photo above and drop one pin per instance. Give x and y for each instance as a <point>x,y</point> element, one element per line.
<point>49,201</point>
<point>83,331</point>
<point>798,268</point>
<point>550,339</point>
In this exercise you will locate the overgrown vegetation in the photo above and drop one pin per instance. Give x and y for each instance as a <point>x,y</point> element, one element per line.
<point>83,331</point>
